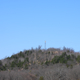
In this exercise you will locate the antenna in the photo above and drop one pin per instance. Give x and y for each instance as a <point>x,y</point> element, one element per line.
<point>45,50</point>
<point>45,45</point>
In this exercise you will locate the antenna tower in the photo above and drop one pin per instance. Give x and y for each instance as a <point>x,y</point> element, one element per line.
<point>45,50</point>
<point>45,45</point>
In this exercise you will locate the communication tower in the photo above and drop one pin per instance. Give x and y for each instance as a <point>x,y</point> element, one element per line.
<point>45,45</point>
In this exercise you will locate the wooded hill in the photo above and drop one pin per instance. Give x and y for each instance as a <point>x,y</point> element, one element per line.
<point>39,64</point>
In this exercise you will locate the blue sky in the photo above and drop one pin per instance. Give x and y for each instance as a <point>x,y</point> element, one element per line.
<point>28,23</point>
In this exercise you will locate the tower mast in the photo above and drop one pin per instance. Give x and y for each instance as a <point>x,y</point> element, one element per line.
<point>45,51</point>
<point>45,45</point>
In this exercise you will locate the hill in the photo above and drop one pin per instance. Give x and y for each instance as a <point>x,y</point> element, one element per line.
<point>40,64</point>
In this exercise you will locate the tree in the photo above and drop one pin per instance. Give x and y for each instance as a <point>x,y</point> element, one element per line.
<point>20,64</point>
<point>68,57</point>
<point>26,66</point>
<point>78,58</point>
<point>47,62</point>
<point>39,47</point>
<point>13,64</point>
<point>26,59</point>
<point>0,63</point>
<point>14,56</point>
<point>55,59</point>
<point>64,54</point>
<point>21,54</point>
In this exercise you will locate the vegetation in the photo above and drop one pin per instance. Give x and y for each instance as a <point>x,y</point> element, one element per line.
<point>47,62</point>
<point>26,66</point>
<point>78,58</point>
<point>0,63</point>
<point>26,59</point>
<point>47,65</point>
<point>20,64</point>
<point>63,58</point>
<point>60,59</point>
<point>14,56</point>
<point>21,54</point>
<point>41,78</point>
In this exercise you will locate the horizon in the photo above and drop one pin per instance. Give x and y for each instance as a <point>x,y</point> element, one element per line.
<point>26,24</point>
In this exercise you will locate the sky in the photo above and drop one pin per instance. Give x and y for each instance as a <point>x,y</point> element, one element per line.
<point>26,24</point>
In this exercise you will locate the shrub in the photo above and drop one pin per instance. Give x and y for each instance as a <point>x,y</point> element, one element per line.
<point>41,78</point>
<point>26,66</point>
<point>26,59</point>
<point>73,56</point>
<point>67,65</point>
<point>63,60</point>
<point>47,63</point>
<point>5,65</point>
<point>78,58</point>
<point>13,64</point>
<point>64,54</point>
<point>55,59</point>
<point>71,66</point>
<point>2,68</point>
<point>41,63</point>
<point>49,52</point>
<point>68,57</point>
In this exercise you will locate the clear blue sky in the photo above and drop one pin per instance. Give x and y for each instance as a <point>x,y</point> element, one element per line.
<point>28,23</point>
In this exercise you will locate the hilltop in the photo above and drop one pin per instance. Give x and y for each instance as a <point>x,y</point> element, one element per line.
<point>40,64</point>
